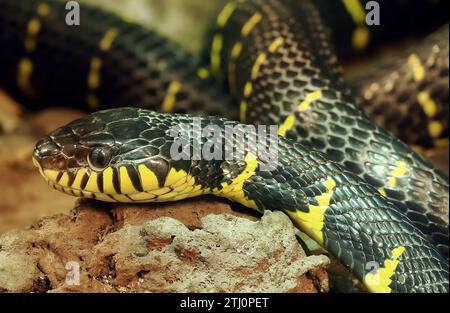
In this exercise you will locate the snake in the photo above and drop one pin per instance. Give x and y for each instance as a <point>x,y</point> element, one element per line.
<point>361,193</point>
<point>400,97</point>
<point>101,63</point>
<point>299,87</point>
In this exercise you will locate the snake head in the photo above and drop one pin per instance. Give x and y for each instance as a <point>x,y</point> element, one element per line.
<point>70,156</point>
<point>113,155</point>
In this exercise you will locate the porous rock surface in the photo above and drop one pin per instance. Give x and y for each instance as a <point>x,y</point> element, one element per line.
<point>198,245</point>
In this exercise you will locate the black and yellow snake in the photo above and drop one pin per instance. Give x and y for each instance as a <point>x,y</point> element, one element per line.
<point>353,187</point>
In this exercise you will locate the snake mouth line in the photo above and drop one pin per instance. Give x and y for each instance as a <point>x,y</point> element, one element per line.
<point>179,190</point>
<point>142,197</point>
<point>56,186</point>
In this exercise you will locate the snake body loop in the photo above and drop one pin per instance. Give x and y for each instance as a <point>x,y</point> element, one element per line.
<point>104,62</point>
<point>298,87</point>
<point>408,93</point>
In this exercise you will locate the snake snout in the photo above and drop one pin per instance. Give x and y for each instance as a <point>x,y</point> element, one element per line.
<point>47,154</point>
<point>45,148</point>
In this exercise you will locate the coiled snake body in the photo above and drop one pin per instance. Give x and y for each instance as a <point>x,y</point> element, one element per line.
<point>406,89</point>
<point>302,92</point>
<point>350,185</point>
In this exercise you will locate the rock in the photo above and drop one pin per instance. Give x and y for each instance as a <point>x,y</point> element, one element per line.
<point>197,245</point>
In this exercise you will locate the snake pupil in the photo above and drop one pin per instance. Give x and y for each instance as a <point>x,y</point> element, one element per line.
<point>99,158</point>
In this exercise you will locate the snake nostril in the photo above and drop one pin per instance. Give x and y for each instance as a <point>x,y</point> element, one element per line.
<point>45,147</point>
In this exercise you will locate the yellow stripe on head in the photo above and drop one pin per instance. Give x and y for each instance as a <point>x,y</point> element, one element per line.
<point>148,178</point>
<point>126,185</point>
<point>78,178</point>
<point>64,180</point>
<point>51,174</point>
<point>108,185</point>
<point>91,184</point>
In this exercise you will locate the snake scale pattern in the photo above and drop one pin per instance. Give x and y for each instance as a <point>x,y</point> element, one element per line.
<point>418,97</point>
<point>302,91</point>
<point>353,187</point>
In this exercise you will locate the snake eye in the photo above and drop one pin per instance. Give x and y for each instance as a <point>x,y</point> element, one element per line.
<point>99,158</point>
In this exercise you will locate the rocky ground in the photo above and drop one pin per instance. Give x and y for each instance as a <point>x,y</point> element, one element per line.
<point>179,247</point>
